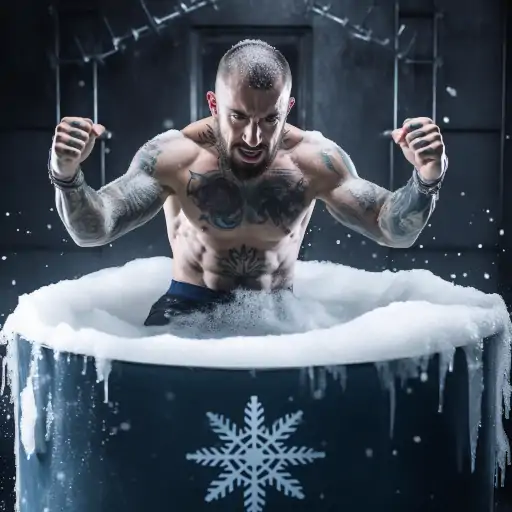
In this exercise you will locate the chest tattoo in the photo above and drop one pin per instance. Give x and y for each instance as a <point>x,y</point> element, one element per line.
<point>278,197</point>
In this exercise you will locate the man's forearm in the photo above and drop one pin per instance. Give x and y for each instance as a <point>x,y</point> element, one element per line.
<point>404,214</point>
<point>94,218</point>
<point>82,213</point>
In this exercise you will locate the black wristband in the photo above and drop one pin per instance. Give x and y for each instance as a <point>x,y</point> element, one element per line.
<point>73,183</point>
<point>429,189</point>
<point>76,182</point>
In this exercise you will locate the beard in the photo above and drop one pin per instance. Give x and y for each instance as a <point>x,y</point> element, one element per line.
<point>244,170</point>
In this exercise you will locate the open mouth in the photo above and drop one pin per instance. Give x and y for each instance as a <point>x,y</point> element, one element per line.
<point>250,155</point>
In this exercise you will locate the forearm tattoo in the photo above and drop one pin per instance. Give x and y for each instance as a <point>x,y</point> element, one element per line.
<point>94,218</point>
<point>405,213</point>
<point>358,207</point>
<point>395,219</point>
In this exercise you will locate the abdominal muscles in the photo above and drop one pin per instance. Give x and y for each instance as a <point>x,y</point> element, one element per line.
<point>248,257</point>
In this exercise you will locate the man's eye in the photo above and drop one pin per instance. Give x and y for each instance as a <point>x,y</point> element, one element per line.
<point>272,119</point>
<point>237,117</point>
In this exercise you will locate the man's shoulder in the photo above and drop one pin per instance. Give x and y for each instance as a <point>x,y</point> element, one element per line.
<point>171,149</point>
<point>306,142</point>
<point>201,132</point>
<point>323,161</point>
<point>307,147</point>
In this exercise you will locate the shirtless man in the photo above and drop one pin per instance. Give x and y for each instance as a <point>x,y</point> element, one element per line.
<point>238,188</point>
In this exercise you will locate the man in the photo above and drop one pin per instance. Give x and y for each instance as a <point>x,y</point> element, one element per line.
<point>238,188</point>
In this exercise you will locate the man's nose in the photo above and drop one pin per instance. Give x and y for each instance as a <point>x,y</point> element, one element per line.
<point>252,134</point>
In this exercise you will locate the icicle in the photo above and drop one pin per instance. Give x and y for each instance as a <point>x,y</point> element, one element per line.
<point>320,389</point>
<point>445,366</point>
<point>317,378</point>
<point>103,367</point>
<point>338,373</point>
<point>49,417</point>
<point>311,379</point>
<point>503,391</point>
<point>84,366</point>
<point>387,379</point>
<point>4,375</point>
<point>29,411</point>
<point>475,387</point>
<point>411,368</point>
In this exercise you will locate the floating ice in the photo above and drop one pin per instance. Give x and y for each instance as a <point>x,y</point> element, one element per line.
<point>337,316</point>
<point>451,91</point>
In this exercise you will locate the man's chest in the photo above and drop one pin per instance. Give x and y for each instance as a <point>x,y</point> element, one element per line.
<point>277,200</point>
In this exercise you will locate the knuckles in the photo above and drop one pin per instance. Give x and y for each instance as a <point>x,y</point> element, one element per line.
<point>80,123</point>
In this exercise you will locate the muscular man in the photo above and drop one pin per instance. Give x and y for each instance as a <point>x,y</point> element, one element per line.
<point>238,188</point>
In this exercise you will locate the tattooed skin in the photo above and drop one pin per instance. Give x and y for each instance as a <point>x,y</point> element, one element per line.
<point>390,218</point>
<point>405,213</point>
<point>242,264</point>
<point>207,137</point>
<point>225,203</point>
<point>94,218</point>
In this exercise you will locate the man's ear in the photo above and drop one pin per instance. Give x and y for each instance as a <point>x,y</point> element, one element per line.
<point>212,102</point>
<point>291,103</point>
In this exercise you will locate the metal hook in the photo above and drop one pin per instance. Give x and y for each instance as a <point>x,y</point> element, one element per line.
<point>151,19</point>
<point>115,40</point>
<point>86,58</point>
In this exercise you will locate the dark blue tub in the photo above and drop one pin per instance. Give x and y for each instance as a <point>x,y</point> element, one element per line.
<point>186,439</point>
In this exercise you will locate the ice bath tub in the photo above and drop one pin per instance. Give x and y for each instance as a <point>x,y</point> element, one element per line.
<point>365,391</point>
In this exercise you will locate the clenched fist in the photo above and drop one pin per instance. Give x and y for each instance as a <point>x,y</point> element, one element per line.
<point>73,142</point>
<point>422,144</point>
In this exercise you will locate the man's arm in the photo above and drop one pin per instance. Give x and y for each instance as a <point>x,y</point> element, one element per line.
<point>393,219</point>
<point>94,218</point>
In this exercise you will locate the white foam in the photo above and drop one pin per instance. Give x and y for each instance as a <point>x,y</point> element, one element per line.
<point>338,316</point>
<point>390,315</point>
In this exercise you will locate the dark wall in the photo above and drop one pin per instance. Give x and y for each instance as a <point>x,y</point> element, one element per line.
<point>350,87</point>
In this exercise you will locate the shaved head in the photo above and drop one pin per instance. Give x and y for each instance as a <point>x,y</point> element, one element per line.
<point>256,63</point>
<point>250,106</point>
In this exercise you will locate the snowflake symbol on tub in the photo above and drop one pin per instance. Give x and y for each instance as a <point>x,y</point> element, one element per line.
<point>254,457</point>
